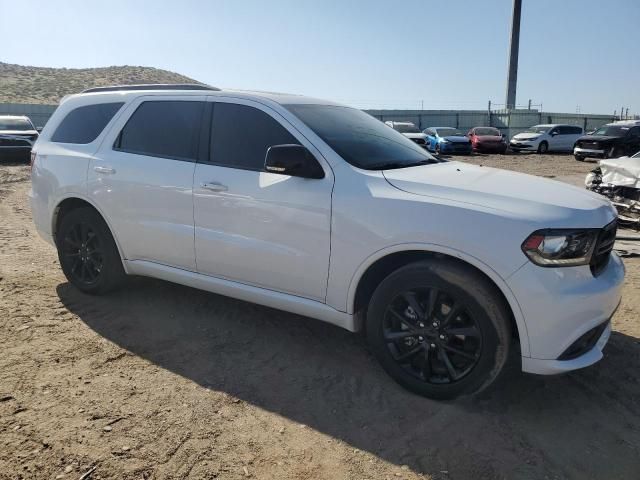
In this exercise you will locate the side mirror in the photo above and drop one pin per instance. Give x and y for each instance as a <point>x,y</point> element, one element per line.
<point>39,129</point>
<point>294,160</point>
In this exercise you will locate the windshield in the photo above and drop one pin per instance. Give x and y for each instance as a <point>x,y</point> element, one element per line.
<point>492,132</point>
<point>405,128</point>
<point>537,129</point>
<point>612,131</point>
<point>360,139</point>
<point>15,124</point>
<point>449,132</point>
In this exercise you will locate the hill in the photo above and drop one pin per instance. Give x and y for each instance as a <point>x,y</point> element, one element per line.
<point>24,84</point>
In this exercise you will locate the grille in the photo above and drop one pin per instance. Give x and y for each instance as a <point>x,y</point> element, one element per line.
<point>603,247</point>
<point>594,145</point>
<point>419,141</point>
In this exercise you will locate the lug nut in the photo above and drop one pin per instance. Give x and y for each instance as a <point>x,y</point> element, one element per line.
<point>433,345</point>
<point>435,324</point>
<point>421,325</point>
<point>420,338</point>
<point>441,337</point>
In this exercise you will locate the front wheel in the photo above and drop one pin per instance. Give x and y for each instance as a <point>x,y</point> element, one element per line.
<point>87,252</point>
<point>439,328</point>
<point>579,158</point>
<point>543,147</point>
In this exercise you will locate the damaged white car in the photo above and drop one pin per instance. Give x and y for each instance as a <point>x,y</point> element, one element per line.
<point>619,180</point>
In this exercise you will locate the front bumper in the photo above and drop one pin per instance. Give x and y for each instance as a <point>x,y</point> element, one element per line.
<point>559,306</point>
<point>588,152</point>
<point>522,146</point>
<point>453,147</point>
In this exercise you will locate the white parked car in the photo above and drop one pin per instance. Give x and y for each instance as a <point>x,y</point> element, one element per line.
<point>409,130</point>
<point>547,138</point>
<point>320,209</point>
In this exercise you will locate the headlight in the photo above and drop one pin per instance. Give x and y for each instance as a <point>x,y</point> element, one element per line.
<point>560,248</point>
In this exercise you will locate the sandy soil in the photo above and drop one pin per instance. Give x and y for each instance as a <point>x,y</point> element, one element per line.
<point>159,381</point>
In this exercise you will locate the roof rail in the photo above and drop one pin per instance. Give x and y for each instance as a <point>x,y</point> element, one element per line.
<point>151,86</point>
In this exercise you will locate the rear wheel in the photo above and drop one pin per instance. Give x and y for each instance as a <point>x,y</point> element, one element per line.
<point>439,328</point>
<point>543,147</point>
<point>579,158</point>
<point>87,252</point>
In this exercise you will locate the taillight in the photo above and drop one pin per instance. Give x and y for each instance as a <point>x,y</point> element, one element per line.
<point>33,159</point>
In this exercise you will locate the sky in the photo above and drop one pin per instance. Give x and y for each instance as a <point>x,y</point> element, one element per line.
<point>575,55</point>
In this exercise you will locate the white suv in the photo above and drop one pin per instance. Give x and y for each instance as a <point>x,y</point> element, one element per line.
<point>322,210</point>
<point>547,138</point>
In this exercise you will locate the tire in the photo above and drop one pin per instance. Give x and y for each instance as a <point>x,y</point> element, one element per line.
<point>87,252</point>
<point>414,346</point>
<point>543,147</point>
<point>579,158</point>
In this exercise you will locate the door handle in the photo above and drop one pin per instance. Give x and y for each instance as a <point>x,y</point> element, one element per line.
<point>107,170</point>
<point>214,186</point>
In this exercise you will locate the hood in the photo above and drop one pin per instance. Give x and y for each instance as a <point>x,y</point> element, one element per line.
<point>457,138</point>
<point>623,171</point>
<point>526,136</point>
<point>488,138</point>
<point>527,197</point>
<point>19,133</point>
<point>596,138</point>
<point>415,135</point>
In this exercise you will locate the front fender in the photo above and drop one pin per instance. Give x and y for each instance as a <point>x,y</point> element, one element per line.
<point>471,260</point>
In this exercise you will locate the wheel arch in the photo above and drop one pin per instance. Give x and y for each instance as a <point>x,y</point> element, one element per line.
<point>73,202</point>
<point>382,263</point>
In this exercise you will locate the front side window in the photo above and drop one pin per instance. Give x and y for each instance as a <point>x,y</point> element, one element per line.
<point>241,136</point>
<point>83,124</point>
<point>359,138</point>
<point>166,129</point>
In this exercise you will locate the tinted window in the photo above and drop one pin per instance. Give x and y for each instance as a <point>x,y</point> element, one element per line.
<point>612,131</point>
<point>241,135</point>
<point>634,132</point>
<point>570,130</point>
<point>168,129</point>
<point>359,138</point>
<point>487,131</point>
<point>84,124</point>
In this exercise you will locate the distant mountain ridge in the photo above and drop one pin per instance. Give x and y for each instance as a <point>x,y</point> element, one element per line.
<point>24,84</point>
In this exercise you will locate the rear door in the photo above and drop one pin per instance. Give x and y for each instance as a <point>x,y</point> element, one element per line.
<point>142,178</point>
<point>256,227</point>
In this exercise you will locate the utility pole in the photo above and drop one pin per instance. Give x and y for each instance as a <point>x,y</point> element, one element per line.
<point>512,78</point>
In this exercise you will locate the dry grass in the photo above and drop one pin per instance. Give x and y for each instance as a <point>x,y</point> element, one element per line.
<point>24,84</point>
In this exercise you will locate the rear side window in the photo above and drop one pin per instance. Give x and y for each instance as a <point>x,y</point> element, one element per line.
<point>570,130</point>
<point>241,135</point>
<point>167,129</point>
<point>83,124</point>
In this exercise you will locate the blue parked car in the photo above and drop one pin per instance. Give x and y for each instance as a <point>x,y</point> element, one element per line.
<point>447,140</point>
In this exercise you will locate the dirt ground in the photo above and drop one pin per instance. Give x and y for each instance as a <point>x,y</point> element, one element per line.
<point>160,381</point>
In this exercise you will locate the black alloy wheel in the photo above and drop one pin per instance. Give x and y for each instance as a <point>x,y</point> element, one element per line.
<point>439,328</point>
<point>87,252</point>
<point>432,335</point>
<point>82,251</point>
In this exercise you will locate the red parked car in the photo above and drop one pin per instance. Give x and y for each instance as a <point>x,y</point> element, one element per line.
<point>487,139</point>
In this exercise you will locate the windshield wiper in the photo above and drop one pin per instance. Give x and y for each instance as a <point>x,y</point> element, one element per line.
<point>393,165</point>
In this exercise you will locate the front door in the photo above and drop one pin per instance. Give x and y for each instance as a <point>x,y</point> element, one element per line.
<point>142,179</point>
<point>255,227</point>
